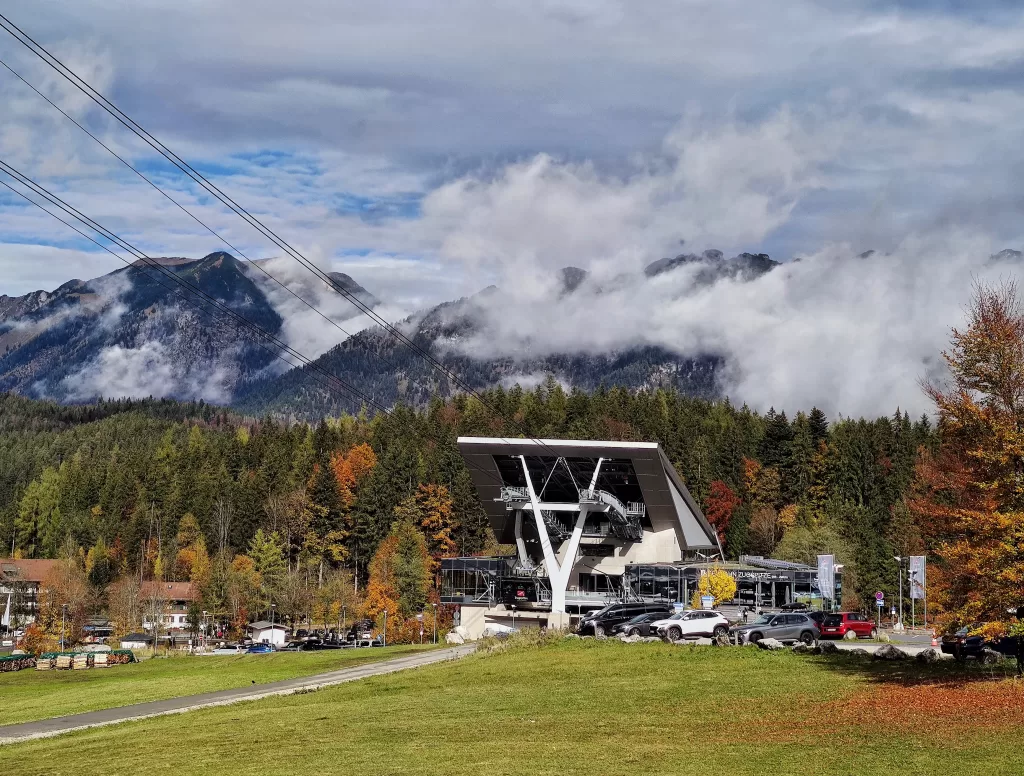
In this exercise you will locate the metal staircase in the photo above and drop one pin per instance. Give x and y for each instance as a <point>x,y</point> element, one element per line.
<point>625,520</point>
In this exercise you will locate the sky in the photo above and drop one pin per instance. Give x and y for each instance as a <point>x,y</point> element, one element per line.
<point>429,150</point>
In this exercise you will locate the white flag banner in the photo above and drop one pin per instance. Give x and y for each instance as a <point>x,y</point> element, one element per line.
<point>917,576</point>
<point>827,576</point>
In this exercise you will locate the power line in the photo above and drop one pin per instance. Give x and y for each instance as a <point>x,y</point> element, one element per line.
<point>42,53</point>
<point>171,199</point>
<point>174,277</point>
<point>333,382</point>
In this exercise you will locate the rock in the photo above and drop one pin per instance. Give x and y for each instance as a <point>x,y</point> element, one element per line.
<point>454,638</point>
<point>650,639</point>
<point>884,637</point>
<point>826,648</point>
<point>927,656</point>
<point>772,645</point>
<point>803,649</point>
<point>462,631</point>
<point>889,652</point>
<point>629,639</point>
<point>571,636</point>
<point>858,652</point>
<point>989,657</point>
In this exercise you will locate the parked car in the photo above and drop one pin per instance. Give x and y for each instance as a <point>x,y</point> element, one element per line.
<point>966,643</point>
<point>848,625</point>
<point>818,617</point>
<point>692,624</point>
<point>260,649</point>
<point>602,621</point>
<point>784,627</point>
<point>230,649</point>
<point>639,625</point>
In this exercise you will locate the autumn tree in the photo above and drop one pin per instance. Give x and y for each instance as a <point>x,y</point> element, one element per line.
<point>719,507</point>
<point>64,598</point>
<point>430,508</point>
<point>399,575</point>
<point>970,497</point>
<point>715,582</point>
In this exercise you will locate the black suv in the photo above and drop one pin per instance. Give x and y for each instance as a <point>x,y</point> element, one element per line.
<point>601,622</point>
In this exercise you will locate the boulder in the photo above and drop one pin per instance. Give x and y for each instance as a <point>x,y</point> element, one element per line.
<point>826,648</point>
<point>858,652</point>
<point>927,656</point>
<point>889,652</point>
<point>989,657</point>
<point>883,637</point>
<point>650,639</point>
<point>463,631</point>
<point>629,639</point>
<point>571,636</point>
<point>772,645</point>
<point>803,649</point>
<point>454,637</point>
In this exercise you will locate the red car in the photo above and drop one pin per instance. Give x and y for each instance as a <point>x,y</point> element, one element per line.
<point>848,625</point>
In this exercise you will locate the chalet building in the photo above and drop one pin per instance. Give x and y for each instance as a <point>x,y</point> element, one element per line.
<point>20,582</point>
<point>173,599</point>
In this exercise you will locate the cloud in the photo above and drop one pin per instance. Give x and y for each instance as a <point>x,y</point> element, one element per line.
<point>850,335</point>
<point>431,152</point>
<point>730,185</point>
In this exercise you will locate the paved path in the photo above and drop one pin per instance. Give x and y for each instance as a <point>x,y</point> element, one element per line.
<point>58,725</point>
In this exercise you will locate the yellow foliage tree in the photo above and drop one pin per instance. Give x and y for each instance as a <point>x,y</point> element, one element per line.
<point>715,582</point>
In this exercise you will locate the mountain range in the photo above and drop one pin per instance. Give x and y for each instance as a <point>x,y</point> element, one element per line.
<point>133,332</point>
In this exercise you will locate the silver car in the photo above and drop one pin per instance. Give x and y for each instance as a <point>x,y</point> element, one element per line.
<point>783,627</point>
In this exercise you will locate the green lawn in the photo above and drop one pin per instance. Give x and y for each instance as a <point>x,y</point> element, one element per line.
<point>584,707</point>
<point>31,695</point>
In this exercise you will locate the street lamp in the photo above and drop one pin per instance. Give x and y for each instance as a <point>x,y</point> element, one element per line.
<point>435,622</point>
<point>273,608</point>
<point>63,612</point>
<point>384,641</point>
<point>513,616</point>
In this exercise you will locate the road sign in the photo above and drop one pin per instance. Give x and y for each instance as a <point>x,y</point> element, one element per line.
<point>879,603</point>
<point>707,602</point>
<point>879,596</point>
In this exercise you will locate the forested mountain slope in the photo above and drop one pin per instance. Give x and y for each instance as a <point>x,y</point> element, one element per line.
<point>124,475</point>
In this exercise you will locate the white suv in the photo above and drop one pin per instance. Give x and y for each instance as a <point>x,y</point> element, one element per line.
<point>692,624</point>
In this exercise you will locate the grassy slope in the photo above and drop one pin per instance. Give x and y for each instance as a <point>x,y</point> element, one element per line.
<point>574,708</point>
<point>31,695</point>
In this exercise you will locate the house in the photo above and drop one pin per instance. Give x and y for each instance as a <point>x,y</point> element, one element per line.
<point>263,632</point>
<point>172,599</point>
<point>137,641</point>
<point>20,581</point>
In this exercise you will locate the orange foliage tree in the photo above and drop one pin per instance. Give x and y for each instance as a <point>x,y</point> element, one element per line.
<point>721,503</point>
<point>350,468</point>
<point>431,509</point>
<point>970,493</point>
<point>400,581</point>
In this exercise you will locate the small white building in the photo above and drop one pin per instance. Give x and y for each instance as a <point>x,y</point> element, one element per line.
<point>263,632</point>
<point>137,641</point>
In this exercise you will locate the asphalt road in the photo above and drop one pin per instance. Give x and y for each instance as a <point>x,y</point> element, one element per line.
<point>59,725</point>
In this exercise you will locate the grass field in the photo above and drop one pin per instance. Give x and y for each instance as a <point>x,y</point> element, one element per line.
<point>587,708</point>
<point>31,695</point>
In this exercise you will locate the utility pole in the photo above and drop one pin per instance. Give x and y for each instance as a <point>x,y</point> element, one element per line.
<point>63,611</point>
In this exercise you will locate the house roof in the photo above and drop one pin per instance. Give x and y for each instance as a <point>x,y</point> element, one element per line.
<point>171,591</point>
<point>143,637</point>
<point>264,625</point>
<point>26,570</point>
